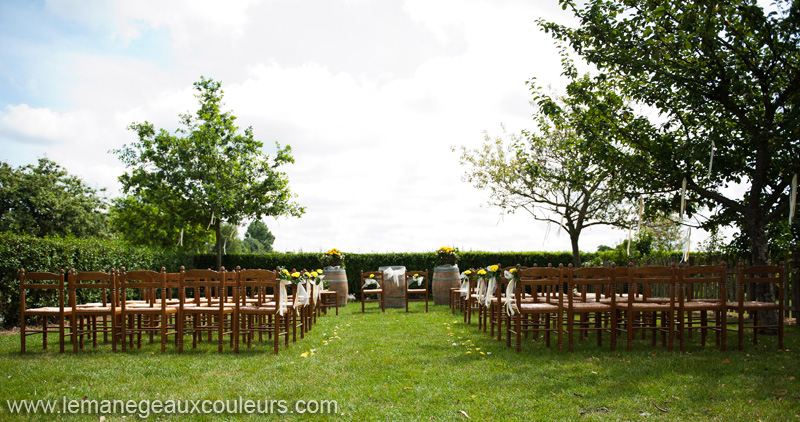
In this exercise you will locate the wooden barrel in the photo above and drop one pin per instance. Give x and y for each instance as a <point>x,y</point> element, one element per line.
<point>395,293</point>
<point>445,277</point>
<point>337,281</point>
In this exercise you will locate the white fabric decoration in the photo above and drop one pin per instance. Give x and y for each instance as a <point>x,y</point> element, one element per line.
<point>282,306</point>
<point>301,297</point>
<point>711,160</point>
<point>688,243</point>
<point>629,242</point>
<point>210,222</point>
<point>490,291</point>
<point>683,197</point>
<point>464,291</point>
<point>511,297</point>
<point>793,198</point>
<point>481,289</point>
<point>395,275</point>
<point>370,281</point>
<point>418,280</point>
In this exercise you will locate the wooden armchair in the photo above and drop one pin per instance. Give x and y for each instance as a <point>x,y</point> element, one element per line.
<point>45,284</point>
<point>377,276</point>
<point>421,289</point>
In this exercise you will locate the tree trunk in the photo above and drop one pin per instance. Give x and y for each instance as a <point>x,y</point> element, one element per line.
<point>218,230</point>
<point>759,255</point>
<point>576,253</point>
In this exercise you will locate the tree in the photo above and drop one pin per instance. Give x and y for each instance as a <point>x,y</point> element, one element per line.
<point>549,175</point>
<point>45,200</point>
<point>207,173</point>
<point>145,224</point>
<point>725,78</point>
<point>258,238</point>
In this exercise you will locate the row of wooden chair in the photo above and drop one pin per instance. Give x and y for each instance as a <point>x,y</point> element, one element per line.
<point>379,293</point>
<point>123,306</point>
<point>667,301</point>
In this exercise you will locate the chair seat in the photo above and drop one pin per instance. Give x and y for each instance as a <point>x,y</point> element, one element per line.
<point>47,310</point>
<point>591,306</point>
<point>701,305</point>
<point>149,310</point>
<point>753,305</point>
<point>370,291</point>
<point>645,306</point>
<point>257,309</point>
<point>96,310</point>
<point>207,309</point>
<point>417,290</point>
<point>89,305</point>
<point>538,307</point>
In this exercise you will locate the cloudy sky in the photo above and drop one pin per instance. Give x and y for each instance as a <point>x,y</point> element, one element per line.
<point>370,94</point>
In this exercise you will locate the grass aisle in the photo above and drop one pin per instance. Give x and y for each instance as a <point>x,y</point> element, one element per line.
<point>416,366</point>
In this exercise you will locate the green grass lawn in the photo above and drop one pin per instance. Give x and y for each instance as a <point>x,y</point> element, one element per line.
<point>417,366</point>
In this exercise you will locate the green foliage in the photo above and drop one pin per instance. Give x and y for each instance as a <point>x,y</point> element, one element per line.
<point>724,78</point>
<point>551,173</point>
<point>207,171</point>
<point>371,262</point>
<point>144,224</point>
<point>258,238</point>
<point>82,254</point>
<point>44,200</point>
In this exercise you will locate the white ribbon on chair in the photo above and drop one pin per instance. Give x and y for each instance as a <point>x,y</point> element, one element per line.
<point>370,281</point>
<point>395,274</point>
<point>283,305</point>
<point>464,292</point>
<point>511,298</point>
<point>416,280</point>
<point>481,289</point>
<point>318,289</point>
<point>301,298</point>
<point>490,291</point>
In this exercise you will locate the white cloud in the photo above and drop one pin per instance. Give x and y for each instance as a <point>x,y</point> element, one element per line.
<point>371,95</point>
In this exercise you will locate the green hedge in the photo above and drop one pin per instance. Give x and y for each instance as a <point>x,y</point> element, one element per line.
<point>354,263</point>
<point>53,254</point>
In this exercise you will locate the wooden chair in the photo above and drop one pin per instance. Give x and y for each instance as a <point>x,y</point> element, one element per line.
<point>497,303</point>
<point>46,285</point>
<point>89,316</point>
<point>650,299</point>
<point>199,311</point>
<point>378,277</point>
<point>551,314</point>
<point>329,299</point>
<point>259,316</point>
<point>597,301</point>
<point>471,304</point>
<point>150,314</point>
<point>767,277</point>
<point>423,289</point>
<point>702,289</point>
